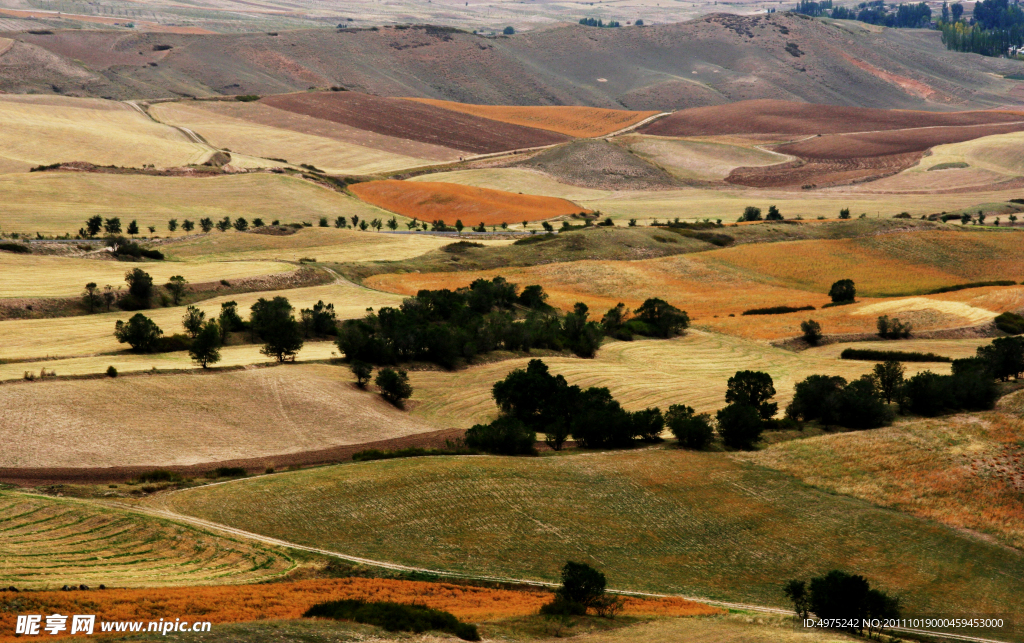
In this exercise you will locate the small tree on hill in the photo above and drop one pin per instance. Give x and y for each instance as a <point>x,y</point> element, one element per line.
<point>140,332</point>
<point>272,320</point>
<point>172,225</point>
<point>890,377</point>
<point>394,385</point>
<point>93,225</point>
<point>773,214</point>
<point>459,225</point>
<point>362,371</point>
<point>796,591</point>
<point>339,222</point>
<point>133,228</point>
<point>392,224</point>
<point>508,31</point>
<point>140,287</point>
<point>242,225</point>
<point>205,348</point>
<point>187,225</point>
<point>843,291</point>
<point>751,213</point>
<point>112,225</point>
<point>193,321</point>
<point>753,388</point>
<point>176,286</point>
<point>91,296</point>
<point>693,431</point>
<point>206,224</point>
<point>812,331</point>
<point>844,213</point>
<point>740,426</point>
<point>665,319</point>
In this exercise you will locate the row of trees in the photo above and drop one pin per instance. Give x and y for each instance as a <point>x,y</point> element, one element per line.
<point>112,226</point>
<point>846,599</point>
<point>913,16</point>
<point>138,296</point>
<point>995,28</point>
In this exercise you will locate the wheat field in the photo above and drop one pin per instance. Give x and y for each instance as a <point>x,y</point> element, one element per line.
<point>699,160</point>
<point>55,203</point>
<point>51,542</point>
<point>48,276</point>
<point>40,130</point>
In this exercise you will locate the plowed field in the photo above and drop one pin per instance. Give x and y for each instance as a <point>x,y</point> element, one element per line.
<point>450,202</point>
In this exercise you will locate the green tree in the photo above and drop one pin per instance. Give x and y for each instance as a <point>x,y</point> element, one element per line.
<point>663,318</point>
<point>109,296</point>
<point>91,297</point>
<point>362,371</point>
<point>133,228</point>
<point>753,388</point>
<point>205,348</point>
<point>172,225</point>
<point>459,225</point>
<point>320,320</point>
<point>206,224</point>
<point>394,385</point>
<point>229,320</point>
<point>796,591</point>
<point>581,584</point>
<point>193,322</point>
<point>272,321</point>
<point>392,224</point>
<point>93,225</point>
<point>355,221</point>
<point>504,436</point>
<point>140,287</point>
<point>242,225</point>
<point>740,426</point>
<point>508,31</point>
<point>692,430</point>
<point>751,213</point>
<point>773,214</point>
<point>812,331</point>
<point>112,225</point>
<point>844,213</point>
<point>323,222</point>
<point>843,291</point>
<point>176,286</point>
<point>141,333</point>
<point>339,222</point>
<point>224,224</point>
<point>187,225</point>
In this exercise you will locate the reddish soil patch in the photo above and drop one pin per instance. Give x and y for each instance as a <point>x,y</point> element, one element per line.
<point>790,118</point>
<point>820,172</point>
<point>415,121</point>
<point>853,146</point>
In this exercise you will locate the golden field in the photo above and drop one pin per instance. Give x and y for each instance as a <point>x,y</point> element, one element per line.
<point>449,202</point>
<point>40,130</point>
<point>699,160</point>
<point>578,121</point>
<point>48,276</point>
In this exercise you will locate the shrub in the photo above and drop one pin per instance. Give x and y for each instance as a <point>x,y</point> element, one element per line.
<point>362,372</point>
<point>811,331</point>
<point>460,247</point>
<point>140,332</point>
<point>929,394</point>
<point>394,617</point>
<point>173,343</point>
<point>581,584</point>
<point>17,248</point>
<point>693,431</point>
<point>159,475</point>
<point>855,405</point>
<point>776,310</point>
<point>740,426</point>
<point>228,472</point>
<point>247,98</point>
<point>409,452</point>
<point>885,356</point>
<point>1011,323</point>
<point>394,385</point>
<point>504,436</point>
<point>561,607</point>
<point>843,291</point>
<point>893,328</point>
<point>976,284</point>
<point>111,371</point>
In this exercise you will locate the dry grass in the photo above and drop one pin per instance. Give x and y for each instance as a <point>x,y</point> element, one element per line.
<point>582,122</point>
<point>692,370</point>
<point>965,471</point>
<point>172,420</point>
<point>733,628</point>
<point>662,520</point>
<point>954,348</point>
<point>60,202</point>
<point>322,244</point>
<point>699,160</point>
<point>48,543</point>
<point>92,334</point>
<point>59,129</point>
<point>450,202</point>
<point>263,140</point>
<point>42,276</point>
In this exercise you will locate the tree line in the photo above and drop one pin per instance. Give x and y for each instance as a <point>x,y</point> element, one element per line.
<point>875,12</point>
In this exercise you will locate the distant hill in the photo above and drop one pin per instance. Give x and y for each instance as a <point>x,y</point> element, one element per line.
<point>714,60</point>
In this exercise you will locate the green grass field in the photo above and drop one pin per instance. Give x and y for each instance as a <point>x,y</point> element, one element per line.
<point>46,543</point>
<point>661,520</point>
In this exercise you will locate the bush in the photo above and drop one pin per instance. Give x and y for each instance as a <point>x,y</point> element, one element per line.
<point>776,310</point>
<point>929,394</point>
<point>172,343</point>
<point>504,436</point>
<point>140,332</point>
<point>394,385</point>
<point>394,617</point>
<point>811,331</point>
<point>561,607</point>
<point>228,472</point>
<point>581,584</point>
<point>247,98</point>
<point>111,371</point>
<point>362,371</point>
<point>16,248</point>
<point>854,405</point>
<point>975,284</point>
<point>460,247</point>
<point>895,356</point>
<point>893,328</point>
<point>409,452</point>
<point>1011,323</point>
<point>159,475</point>
<point>693,431</point>
<point>740,426</point>
<point>843,291</point>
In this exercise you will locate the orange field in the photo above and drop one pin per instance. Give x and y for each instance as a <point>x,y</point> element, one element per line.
<point>236,604</point>
<point>449,202</point>
<point>582,122</point>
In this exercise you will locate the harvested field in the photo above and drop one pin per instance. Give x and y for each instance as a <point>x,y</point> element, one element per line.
<point>29,339</point>
<point>963,471</point>
<point>890,143</point>
<point>222,605</point>
<point>787,118</point>
<point>577,121</point>
<point>242,135</point>
<point>450,202</point>
<point>173,420</point>
<point>699,160</point>
<point>953,348</point>
<point>42,276</point>
<point>55,203</point>
<point>976,164</point>
<point>49,542</point>
<point>822,172</point>
<point>508,179</point>
<point>734,628</point>
<point>40,131</point>
<point>414,121</point>
<point>601,165</point>
<point>663,520</point>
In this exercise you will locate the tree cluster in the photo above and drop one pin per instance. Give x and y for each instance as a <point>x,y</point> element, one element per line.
<point>582,589</point>
<point>893,328</point>
<point>860,404</point>
<point>997,26</point>
<point>843,598</point>
<point>875,12</point>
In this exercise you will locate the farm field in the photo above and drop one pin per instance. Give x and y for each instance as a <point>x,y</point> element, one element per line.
<point>47,276</point>
<point>450,202</point>
<point>961,471</point>
<point>598,164</point>
<point>50,542</point>
<point>868,144</point>
<point>40,130</point>
<point>699,160</point>
<point>660,520</point>
<point>952,348</point>
<point>414,121</point>
<point>187,419</point>
<point>88,335</point>
<point>261,140</point>
<point>55,203</point>
<point>322,244</point>
<point>692,370</point>
<point>577,121</point>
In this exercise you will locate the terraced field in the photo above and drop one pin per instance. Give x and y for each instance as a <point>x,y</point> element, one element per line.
<point>178,420</point>
<point>699,160</point>
<point>40,130</point>
<point>450,203</point>
<point>662,520</point>
<point>573,120</point>
<point>59,202</point>
<point>43,276</point>
<point>48,543</point>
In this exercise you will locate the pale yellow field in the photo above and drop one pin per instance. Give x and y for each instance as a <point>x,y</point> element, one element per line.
<point>952,348</point>
<point>256,139</point>
<point>58,203</point>
<point>193,418</point>
<point>733,628</point>
<point>699,160</point>
<point>322,244</point>
<point>693,370</point>
<point>92,334</point>
<point>48,276</point>
<point>40,131</point>
<point>999,153</point>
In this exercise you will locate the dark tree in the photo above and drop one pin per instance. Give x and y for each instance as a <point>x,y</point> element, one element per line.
<point>362,372</point>
<point>740,426</point>
<point>843,291</point>
<point>112,225</point>
<point>176,286</point>
<point>533,297</point>
<point>581,584</point>
<point>206,224</point>
<point>320,320</point>
<point>272,321</point>
<point>109,296</point>
<point>753,388</point>
<point>242,225</point>
<point>773,214</point>
<point>751,213</point>
<point>205,348</point>
<point>172,225</point>
<point>508,31</point>
<point>224,224</point>
<point>459,225</point>
<point>648,424</point>
<point>229,320</point>
<point>844,213</point>
<point>811,396</point>
<point>796,591</point>
<point>93,225</point>
<point>889,376</point>
<point>91,297</point>
<point>394,385</point>
<point>614,319</point>
<point>693,431</point>
<point>504,436</point>
<point>193,321</point>
<point>140,288</point>
<point>323,222</point>
<point>812,331</point>
<point>664,319</point>
<point>141,333</point>
<point>187,225</point>
<point>392,224</point>
<point>338,223</point>
<point>133,228</point>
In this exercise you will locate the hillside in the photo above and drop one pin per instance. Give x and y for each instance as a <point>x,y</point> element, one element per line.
<point>600,165</point>
<point>709,61</point>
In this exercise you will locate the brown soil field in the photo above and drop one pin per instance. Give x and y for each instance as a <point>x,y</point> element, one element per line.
<point>599,164</point>
<point>415,121</point>
<point>190,419</point>
<point>571,120</point>
<point>868,144</point>
<point>822,172</point>
<point>791,118</point>
<point>450,202</point>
